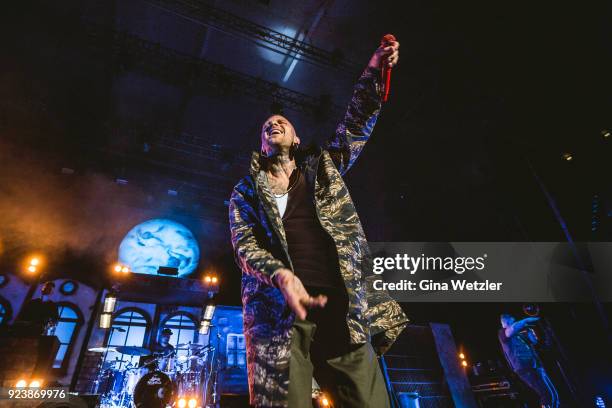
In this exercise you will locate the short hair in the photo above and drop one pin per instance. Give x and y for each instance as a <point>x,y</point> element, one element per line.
<point>166,332</point>
<point>505,316</point>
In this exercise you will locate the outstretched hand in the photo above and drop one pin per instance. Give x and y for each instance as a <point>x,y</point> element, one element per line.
<point>295,294</point>
<point>387,55</point>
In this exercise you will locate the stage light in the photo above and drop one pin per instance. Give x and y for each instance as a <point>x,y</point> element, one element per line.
<point>109,303</point>
<point>121,268</point>
<point>322,400</point>
<point>462,358</point>
<point>207,316</point>
<point>106,317</point>
<point>35,384</point>
<point>567,156</point>
<point>209,312</point>
<point>33,264</point>
<point>182,403</point>
<point>605,133</point>
<point>192,403</point>
<point>21,384</point>
<point>105,320</point>
<point>209,279</point>
<point>204,327</point>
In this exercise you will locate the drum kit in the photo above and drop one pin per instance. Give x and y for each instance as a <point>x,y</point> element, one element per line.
<point>159,380</point>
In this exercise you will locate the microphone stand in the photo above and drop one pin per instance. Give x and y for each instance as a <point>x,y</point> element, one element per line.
<point>215,385</point>
<point>209,371</point>
<point>101,365</point>
<point>579,261</point>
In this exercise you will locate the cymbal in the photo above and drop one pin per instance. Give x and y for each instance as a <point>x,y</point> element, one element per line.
<point>182,359</point>
<point>133,351</point>
<point>102,349</point>
<point>192,346</point>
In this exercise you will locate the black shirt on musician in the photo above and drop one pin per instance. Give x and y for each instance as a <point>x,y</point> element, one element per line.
<point>311,249</point>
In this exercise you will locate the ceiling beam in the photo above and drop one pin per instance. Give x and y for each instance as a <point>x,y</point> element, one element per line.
<point>131,52</point>
<point>206,14</point>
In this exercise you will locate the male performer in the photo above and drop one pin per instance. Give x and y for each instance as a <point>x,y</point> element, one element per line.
<point>309,309</point>
<point>517,342</point>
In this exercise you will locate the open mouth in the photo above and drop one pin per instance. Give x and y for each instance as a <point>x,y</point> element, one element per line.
<point>276,132</point>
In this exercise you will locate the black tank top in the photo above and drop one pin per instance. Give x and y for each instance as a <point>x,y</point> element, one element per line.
<point>312,251</point>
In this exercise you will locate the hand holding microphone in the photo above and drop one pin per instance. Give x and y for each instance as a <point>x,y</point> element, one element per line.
<point>385,58</point>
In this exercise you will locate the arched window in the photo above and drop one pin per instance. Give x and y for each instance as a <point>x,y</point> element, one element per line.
<point>67,325</point>
<point>184,330</point>
<point>134,324</point>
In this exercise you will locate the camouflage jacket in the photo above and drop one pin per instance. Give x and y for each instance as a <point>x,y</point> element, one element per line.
<point>260,249</point>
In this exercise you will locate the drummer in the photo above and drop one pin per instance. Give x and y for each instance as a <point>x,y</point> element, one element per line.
<point>163,346</point>
<point>160,351</point>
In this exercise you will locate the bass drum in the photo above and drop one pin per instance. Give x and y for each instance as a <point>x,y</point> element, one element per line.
<point>133,375</point>
<point>154,390</point>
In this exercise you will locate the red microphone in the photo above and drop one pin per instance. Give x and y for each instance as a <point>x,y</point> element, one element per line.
<point>386,71</point>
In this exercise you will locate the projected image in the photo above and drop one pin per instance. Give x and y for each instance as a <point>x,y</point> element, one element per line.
<point>159,242</point>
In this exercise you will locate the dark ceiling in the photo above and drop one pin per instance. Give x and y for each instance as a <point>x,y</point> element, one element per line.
<point>169,95</point>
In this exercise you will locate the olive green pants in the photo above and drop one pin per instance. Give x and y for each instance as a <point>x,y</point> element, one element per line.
<point>353,379</point>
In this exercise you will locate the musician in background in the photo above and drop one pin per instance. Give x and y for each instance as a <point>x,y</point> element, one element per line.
<point>163,346</point>
<point>517,340</point>
<point>161,351</point>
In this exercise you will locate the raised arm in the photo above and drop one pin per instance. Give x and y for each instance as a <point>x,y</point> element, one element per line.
<point>517,326</point>
<point>363,109</point>
<point>250,256</point>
